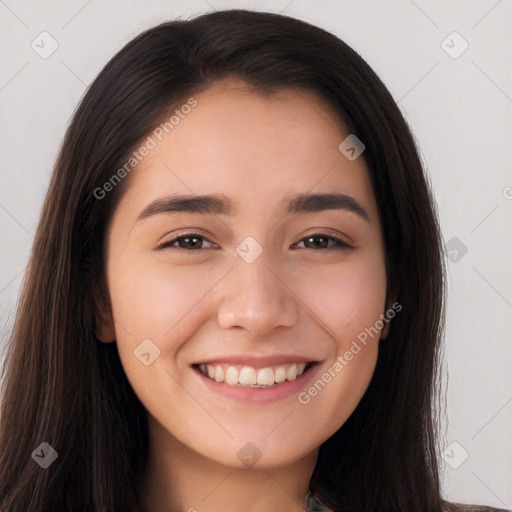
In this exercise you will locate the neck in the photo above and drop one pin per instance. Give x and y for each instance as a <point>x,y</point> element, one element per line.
<point>179,479</point>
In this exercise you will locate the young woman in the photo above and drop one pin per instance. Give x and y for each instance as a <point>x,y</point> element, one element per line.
<point>234,299</point>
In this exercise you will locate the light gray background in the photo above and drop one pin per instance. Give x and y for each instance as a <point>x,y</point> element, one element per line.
<point>460,110</point>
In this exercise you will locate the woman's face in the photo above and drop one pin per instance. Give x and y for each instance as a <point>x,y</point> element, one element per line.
<point>255,291</point>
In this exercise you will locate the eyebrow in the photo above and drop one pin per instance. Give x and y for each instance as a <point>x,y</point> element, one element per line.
<point>219,204</point>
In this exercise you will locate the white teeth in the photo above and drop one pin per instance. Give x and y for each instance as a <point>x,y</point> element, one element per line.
<point>265,377</point>
<point>291,373</point>
<point>247,376</point>
<point>231,377</point>
<point>219,374</point>
<point>280,374</point>
<point>250,377</point>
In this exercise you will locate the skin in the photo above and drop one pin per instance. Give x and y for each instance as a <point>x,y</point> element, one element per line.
<point>198,304</point>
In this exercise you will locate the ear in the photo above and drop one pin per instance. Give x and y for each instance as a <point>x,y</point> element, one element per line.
<point>104,321</point>
<point>385,330</point>
<point>390,301</point>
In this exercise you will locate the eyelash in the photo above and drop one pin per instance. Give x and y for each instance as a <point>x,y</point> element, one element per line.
<point>340,244</point>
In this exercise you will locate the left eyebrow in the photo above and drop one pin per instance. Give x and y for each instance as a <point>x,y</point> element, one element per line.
<point>303,203</point>
<point>219,204</point>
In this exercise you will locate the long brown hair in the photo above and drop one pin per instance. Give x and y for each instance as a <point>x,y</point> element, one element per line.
<point>61,386</point>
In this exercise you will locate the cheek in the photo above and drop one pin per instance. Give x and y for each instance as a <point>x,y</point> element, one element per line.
<point>349,297</point>
<point>349,302</point>
<point>153,299</point>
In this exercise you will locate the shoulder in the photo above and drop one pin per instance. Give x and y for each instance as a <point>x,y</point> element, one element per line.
<point>462,507</point>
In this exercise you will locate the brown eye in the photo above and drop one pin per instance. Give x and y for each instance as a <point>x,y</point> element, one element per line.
<point>186,241</point>
<point>321,241</point>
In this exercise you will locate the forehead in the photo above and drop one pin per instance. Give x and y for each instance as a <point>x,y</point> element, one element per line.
<point>255,148</point>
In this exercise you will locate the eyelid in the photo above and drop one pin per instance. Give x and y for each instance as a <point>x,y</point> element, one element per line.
<point>191,234</point>
<point>340,241</point>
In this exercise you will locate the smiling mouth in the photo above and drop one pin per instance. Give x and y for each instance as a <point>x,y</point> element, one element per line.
<point>250,377</point>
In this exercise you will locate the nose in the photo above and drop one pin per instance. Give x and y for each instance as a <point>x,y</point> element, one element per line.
<point>258,297</point>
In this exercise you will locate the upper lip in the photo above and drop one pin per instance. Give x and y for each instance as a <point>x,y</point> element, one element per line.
<point>257,361</point>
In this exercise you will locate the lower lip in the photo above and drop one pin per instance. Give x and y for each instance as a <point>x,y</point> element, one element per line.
<point>260,395</point>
